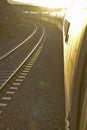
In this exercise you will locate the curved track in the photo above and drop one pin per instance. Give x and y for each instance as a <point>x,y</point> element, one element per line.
<point>32,89</point>
<point>12,61</point>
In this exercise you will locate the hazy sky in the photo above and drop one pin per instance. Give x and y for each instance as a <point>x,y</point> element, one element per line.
<point>46,3</point>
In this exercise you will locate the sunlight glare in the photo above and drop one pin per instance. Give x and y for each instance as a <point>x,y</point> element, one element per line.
<point>45,3</point>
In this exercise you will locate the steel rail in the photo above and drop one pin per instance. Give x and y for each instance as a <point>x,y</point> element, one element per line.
<point>20,44</point>
<point>25,60</point>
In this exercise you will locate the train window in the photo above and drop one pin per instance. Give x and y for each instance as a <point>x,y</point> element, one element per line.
<point>66,29</point>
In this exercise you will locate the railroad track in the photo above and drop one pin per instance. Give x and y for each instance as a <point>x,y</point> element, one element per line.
<point>18,46</point>
<point>11,63</point>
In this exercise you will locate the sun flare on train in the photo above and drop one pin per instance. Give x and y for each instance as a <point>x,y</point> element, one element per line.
<point>45,3</point>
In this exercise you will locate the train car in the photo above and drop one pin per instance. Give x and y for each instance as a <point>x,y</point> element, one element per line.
<point>75,68</point>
